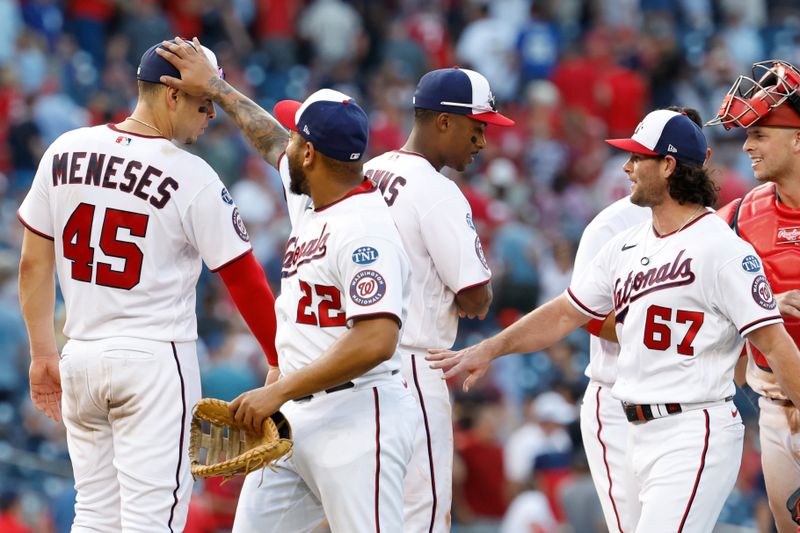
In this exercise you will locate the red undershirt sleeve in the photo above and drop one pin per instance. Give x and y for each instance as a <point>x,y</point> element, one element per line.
<point>594,326</point>
<point>247,285</point>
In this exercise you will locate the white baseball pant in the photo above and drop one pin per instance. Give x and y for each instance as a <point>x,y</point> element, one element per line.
<point>685,466</point>
<point>351,449</point>
<point>604,430</point>
<point>429,481</point>
<point>127,404</point>
<point>779,433</point>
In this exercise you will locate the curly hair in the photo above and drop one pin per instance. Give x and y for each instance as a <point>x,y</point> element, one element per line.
<point>692,184</point>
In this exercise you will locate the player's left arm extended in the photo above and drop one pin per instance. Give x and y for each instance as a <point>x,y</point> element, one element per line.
<point>537,330</point>
<point>368,343</point>
<point>199,77</point>
<point>37,297</point>
<point>782,355</point>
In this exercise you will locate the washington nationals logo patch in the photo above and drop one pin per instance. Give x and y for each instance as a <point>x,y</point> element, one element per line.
<point>367,287</point>
<point>479,251</point>
<point>751,264</point>
<point>762,293</point>
<point>238,225</point>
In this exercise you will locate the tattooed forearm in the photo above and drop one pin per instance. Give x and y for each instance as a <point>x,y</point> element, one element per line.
<point>261,129</point>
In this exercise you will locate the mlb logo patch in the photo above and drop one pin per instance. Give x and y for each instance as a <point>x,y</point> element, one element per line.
<point>124,141</point>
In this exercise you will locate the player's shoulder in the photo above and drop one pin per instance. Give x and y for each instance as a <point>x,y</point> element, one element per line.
<point>416,169</point>
<point>719,240</point>
<point>620,215</point>
<point>78,136</point>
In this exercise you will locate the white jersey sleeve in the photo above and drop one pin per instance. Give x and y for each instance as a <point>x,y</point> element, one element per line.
<point>453,244</point>
<point>742,293</point>
<point>371,271</point>
<point>35,212</point>
<point>591,290</point>
<point>205,225</point>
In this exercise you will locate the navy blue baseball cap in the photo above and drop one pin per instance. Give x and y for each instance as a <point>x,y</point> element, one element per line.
<point>664,132</point>
<point>460,91</point>
<point>152,66</point>
<point>330,120</point>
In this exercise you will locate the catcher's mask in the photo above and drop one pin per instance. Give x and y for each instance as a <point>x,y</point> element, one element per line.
<point>748,101</point>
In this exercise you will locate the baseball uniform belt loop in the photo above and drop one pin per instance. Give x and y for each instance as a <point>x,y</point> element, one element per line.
<point>646,412</point>
<point>337,388</point>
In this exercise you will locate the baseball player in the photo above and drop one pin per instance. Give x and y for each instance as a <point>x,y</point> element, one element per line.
<point>768,217</point>
<point>125,217</point>
<point>684,290</point>
<point>449,273</point>
<point>344,295</point>
<point>604,428</point>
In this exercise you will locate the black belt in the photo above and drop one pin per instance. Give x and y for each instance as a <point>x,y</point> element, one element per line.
<point>645,412</point>
<point>337,388</point>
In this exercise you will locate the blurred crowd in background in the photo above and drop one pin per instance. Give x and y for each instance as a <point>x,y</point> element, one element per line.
<point>570,72</point>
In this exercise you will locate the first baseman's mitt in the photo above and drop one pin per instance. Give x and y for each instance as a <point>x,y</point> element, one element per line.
<point>793,504</point>
<point>230,450</point>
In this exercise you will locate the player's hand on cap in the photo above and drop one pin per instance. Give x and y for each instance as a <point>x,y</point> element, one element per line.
<point>197,72</point>
<point>789,303</point>
<point>251,408</point>
<point>474,360</point>
<point>45,382</point>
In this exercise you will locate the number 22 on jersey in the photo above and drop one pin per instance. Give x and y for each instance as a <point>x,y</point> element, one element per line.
<point>77,247</point>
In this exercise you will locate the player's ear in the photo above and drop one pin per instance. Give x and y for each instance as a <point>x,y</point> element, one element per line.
<point>310,154</point>
<point>670,164</point>
<point>171,95</point>
<point>796,141</point>
<point>443,121</point>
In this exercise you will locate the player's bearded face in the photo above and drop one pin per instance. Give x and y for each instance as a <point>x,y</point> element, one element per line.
<point>648,189</point>
<point>298,181</point>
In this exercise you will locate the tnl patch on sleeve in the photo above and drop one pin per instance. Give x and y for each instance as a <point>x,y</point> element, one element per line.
<point>367,287</point>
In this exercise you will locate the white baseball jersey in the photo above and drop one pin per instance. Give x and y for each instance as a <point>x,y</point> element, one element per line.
<point>681,317</point>
<point>342,261</point>
<point>617,217</point>
<point>435,223</point>
<point>131,217</point>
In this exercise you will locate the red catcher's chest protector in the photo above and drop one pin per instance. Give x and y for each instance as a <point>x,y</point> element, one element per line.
<point>774,231</point>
